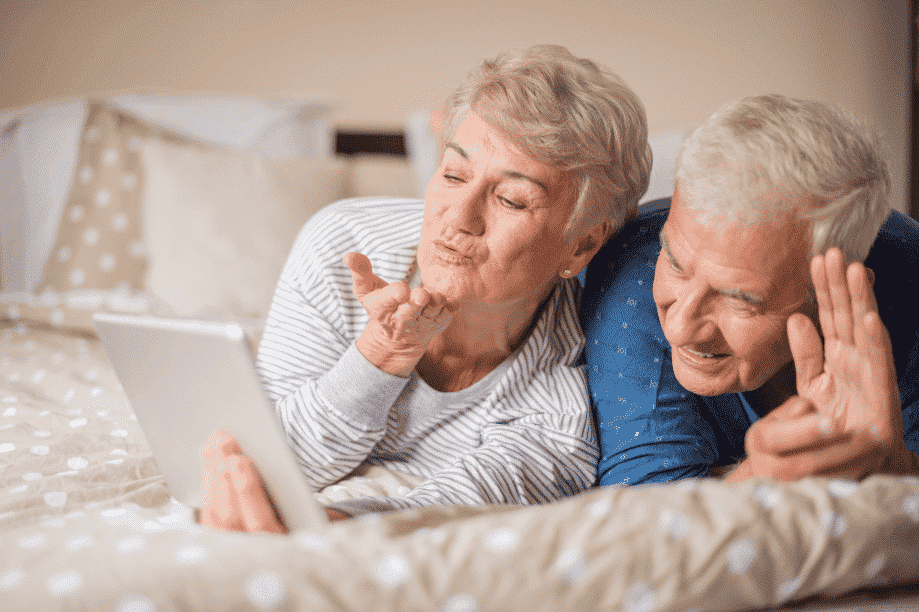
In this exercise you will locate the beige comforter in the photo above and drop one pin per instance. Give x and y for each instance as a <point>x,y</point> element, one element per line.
<point>87,523</point>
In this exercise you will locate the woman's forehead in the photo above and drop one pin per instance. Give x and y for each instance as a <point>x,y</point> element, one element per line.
<point>477,141</point>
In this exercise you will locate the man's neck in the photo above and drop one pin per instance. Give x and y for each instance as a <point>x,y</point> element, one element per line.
<point>774,391</point>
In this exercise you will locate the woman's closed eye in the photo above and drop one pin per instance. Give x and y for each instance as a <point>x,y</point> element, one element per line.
<point>510,204</point>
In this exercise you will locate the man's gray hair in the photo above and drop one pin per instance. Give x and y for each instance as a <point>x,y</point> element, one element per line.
<point>568,113</point>
<point>770,157</point>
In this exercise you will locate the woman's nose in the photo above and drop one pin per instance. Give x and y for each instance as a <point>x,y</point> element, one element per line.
<point>465,211</point>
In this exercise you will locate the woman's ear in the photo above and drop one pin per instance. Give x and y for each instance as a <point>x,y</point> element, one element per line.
<point>585,247</point>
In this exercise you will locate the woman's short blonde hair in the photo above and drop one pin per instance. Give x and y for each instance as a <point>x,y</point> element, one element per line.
<point>568,113</point>
<point>771,156</point>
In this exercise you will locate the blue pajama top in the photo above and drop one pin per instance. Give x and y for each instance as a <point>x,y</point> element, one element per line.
<point>652,429</point>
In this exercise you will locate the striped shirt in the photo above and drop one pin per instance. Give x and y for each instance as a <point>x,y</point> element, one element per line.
<point>522,435</point>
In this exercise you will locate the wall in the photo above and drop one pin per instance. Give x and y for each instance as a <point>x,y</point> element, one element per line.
<point>382,59</point>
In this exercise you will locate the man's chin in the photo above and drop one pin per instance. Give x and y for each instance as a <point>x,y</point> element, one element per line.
<point>700,384</point>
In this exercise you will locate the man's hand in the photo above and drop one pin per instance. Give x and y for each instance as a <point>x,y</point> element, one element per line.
<point>403,321</point>
<point>846,420</point>
<point>234,496</point>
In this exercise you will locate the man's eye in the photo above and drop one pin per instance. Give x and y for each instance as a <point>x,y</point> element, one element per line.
<point>673,265</point>
<point>742,306</point>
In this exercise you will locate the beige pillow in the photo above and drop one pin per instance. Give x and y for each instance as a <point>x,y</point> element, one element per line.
<point>98,244</point>
<point>218,224</point>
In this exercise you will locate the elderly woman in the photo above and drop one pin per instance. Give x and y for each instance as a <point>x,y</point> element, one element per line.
<point>450,356</point>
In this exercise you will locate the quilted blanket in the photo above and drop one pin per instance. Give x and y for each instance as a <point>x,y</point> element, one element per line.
<point>87,523</point>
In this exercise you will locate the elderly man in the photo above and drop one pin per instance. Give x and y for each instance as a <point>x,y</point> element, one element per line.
<point>728,335</point>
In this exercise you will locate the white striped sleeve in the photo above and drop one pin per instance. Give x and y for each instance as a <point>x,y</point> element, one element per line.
<point>538,457</point>
<point>332,402</point>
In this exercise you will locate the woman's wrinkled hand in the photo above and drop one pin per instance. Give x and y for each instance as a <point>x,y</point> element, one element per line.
<point>234,497</point>
<point>403,321</point>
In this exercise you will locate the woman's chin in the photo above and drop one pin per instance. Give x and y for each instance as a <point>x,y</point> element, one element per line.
<point>444,283</point>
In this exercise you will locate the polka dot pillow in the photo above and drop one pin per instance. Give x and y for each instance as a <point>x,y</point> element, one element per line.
<point>98,261</point>
<point>99,238</point>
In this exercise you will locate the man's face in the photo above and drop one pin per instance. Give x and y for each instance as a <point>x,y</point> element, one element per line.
<point>724,293</point>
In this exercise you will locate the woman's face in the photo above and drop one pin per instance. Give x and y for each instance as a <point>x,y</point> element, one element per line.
<point>493,221</point>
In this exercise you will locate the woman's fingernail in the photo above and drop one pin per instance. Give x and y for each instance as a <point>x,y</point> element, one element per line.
<point>826,426</point>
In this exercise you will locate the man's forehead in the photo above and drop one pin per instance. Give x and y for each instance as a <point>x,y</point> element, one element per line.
<point>724,200</point>
<point>770,254</point>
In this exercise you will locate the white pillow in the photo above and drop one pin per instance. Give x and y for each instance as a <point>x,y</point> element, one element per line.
<point>421,149</point>
<point>293,127</point>
<point>218,224</point>
<point>38,153</point>
<point>665,146</point>
<point>39,146</point>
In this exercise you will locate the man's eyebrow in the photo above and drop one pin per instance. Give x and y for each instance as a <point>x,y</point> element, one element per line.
<point>665,244</point>
<point>508,173</point>
<point>746,296</point>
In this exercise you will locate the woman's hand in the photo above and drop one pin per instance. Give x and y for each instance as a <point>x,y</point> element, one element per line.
<point>234,496</point>
<point>403,321</point>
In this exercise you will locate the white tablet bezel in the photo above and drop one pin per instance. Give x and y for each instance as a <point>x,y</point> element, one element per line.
<point>187,378</point>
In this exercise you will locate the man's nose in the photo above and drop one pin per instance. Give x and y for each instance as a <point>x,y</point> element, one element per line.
<point>688,317</point>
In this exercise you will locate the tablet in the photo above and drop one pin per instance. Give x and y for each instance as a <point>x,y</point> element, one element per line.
<point>184,380</point>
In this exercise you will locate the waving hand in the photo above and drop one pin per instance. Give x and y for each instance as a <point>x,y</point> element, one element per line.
<point>846,420</point>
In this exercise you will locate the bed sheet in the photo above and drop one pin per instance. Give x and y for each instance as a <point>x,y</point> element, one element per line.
<point>87,523</point>
<point>68,437</point>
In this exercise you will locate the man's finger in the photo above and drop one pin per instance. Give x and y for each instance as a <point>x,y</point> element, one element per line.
<point>851,458</point>
<point>862,302</point>
<point>792,408</point>
<point>839,293</point>
<point>824,301</point>
<point>883,393</point>
<point>362,276</point>
<point>794,435</point>
<point>806,350</point>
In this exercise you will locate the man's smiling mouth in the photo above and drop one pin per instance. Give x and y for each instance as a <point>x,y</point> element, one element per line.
<point>705,355</point>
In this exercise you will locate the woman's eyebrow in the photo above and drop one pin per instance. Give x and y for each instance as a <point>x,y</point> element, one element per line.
<point>458,149</point>
<point>520,175</point>
<point>508,173</point>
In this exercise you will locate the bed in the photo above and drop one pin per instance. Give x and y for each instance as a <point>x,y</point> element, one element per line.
<point>186,205</point>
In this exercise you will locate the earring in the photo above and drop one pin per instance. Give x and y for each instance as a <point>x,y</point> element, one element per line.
<point>567,273</point>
